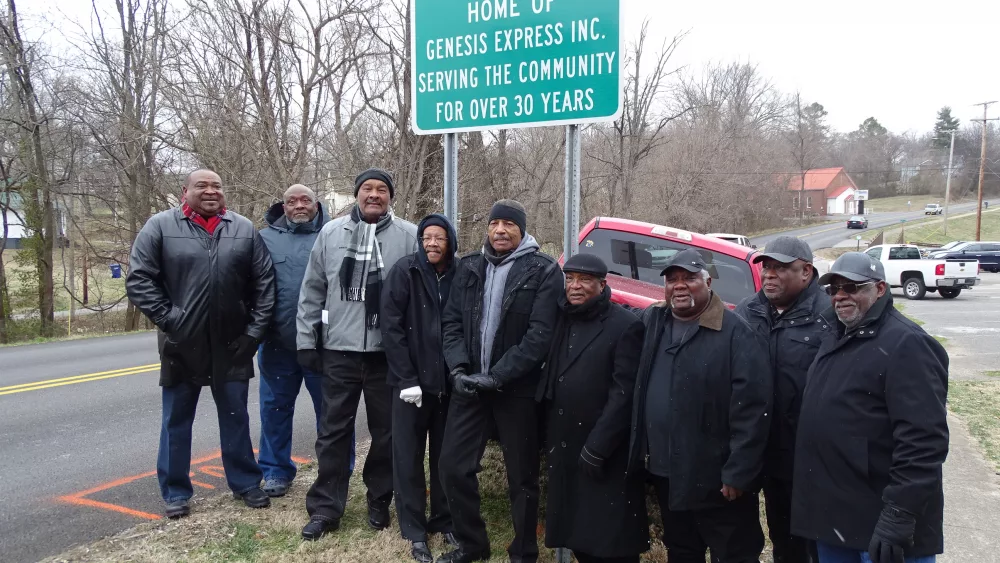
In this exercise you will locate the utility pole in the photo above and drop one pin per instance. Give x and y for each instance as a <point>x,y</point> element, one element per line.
<point>982,169</point>
<point>947,184</point>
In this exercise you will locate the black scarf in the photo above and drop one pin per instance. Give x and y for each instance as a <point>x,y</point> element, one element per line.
<point>559,352</point>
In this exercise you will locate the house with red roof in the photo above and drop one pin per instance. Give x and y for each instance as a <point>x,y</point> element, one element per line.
<point>828,191</point>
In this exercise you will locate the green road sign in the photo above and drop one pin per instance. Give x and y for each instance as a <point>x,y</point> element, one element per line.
<point>487,64</point>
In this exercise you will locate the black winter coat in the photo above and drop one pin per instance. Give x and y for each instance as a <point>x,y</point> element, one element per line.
<point>202,291</point>
<point>527,318</point>
<point>413,298</point>
<point>793,341</point>
<point>873,429</point>
<point>591,405</point>
<point>721,389</point>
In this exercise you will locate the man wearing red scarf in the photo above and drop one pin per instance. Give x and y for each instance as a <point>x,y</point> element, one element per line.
<point>204,277</point>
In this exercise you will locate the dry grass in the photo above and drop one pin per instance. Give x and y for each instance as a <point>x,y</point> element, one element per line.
<point>103,289</point>
<point>978,403</point>
<point>222,529</point>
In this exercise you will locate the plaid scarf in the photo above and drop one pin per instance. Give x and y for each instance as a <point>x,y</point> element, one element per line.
<point>361,270</point>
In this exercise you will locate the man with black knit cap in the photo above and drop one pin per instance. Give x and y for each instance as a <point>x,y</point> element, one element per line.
<point>338,335</point>
<point>497,329</point>
<point>594,507</point>
<point>413,298</point>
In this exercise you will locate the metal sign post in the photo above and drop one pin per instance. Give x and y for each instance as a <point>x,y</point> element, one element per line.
<point>571,218</point>
<point>451,178</point>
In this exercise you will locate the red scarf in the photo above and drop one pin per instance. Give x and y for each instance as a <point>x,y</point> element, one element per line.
<point>209,224</point>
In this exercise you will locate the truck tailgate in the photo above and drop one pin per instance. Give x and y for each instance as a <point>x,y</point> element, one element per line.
<point>961,268</point>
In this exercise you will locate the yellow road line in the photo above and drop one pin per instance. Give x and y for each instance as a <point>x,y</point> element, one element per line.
<point>37,385</point>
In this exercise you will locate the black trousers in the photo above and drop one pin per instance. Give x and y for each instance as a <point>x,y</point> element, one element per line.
<point>346,375</point>
<point>731,532</point>
<point>778,504</point>
<point>411,427</point>
<point>468,428</point>
<point>584,558</point>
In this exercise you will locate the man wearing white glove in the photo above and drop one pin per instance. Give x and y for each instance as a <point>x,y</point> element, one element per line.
<point>413,298</point>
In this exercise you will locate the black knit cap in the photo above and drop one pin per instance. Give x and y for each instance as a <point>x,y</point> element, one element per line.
<point>586,264</point>
<point>510,210</point>
<point>374,174</point>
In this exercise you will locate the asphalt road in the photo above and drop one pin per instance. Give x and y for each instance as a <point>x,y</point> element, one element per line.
<point>78,454</point>
<point>825,236</point>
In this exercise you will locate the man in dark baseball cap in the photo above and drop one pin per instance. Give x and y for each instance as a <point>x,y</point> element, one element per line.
<point>792,313</point>
<point>873,430</point>
<point>701,417</point>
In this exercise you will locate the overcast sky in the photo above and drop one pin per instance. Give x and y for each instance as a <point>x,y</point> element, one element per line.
<point>899,61</point>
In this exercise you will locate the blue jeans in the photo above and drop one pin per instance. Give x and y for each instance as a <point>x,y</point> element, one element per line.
<point>833,554</point>
<point>173,464</point>
<point>281,378</point>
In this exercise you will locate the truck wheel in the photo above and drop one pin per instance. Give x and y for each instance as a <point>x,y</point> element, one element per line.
<point>949,293</point>
<point>914,288</point>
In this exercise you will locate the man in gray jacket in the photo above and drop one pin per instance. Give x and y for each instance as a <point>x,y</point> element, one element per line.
<point>339,336</point>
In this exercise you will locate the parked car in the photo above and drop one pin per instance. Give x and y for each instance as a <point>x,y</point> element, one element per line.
<point>930,251</point>
<point>904,268</point>
<point>636,252</point>
<point>933,209</point>
<point>735,239</point>
<point>987,253</point>
<point>857,222</point>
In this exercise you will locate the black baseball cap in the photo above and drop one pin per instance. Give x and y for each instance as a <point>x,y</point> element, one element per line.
<point>689,260</point>
<point>855,266</point>
<point>786,250</point>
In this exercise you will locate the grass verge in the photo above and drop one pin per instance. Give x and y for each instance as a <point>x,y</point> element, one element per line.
<point>931,230</point>
<point>978,403</point>
<point>898,203</point>
<point>96,324</point>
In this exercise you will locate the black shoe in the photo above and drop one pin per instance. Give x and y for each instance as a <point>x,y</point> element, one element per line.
<point>378,515</point>
<point>319,527</point>
<point>177,509</point>
<point>254,498</point>
<point>421,552</point>
<point>462,556</point>
<point>450,539</point>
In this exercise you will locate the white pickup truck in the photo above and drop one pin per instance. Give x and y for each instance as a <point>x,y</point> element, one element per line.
<point>904,268</point>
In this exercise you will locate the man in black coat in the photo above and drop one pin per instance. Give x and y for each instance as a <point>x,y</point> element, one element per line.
<point>793,314</point>
<point>413,299</point>
<point>873,431</point>
<point>594,506</point>
<point>202,274</point>
<point>497,331</point>
<point>700,422</point>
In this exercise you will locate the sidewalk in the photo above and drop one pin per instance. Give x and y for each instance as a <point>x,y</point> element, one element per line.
<point>971,501</point>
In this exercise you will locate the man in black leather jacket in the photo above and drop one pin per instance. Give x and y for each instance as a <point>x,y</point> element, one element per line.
<point>202,274</point>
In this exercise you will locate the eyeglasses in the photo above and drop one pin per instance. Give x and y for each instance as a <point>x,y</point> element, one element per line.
<point>848,288</point>
<point>434,239</point>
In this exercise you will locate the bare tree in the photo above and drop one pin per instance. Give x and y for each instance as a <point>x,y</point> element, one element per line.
<point>37,190</point>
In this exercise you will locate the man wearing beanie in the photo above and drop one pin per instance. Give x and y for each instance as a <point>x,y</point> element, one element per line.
<point>594,507</point>
<point>338,335</point>
<point>497,330</point>
<point>413,298</point>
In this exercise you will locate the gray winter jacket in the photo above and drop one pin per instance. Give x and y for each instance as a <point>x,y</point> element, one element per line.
<point>289,245</point>
<point>344,327</point>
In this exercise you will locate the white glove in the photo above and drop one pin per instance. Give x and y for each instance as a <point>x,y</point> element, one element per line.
<point>412,395</point>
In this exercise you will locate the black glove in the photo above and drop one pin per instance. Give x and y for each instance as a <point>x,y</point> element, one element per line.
<point>310,360</point>
<point>483,381</point>
<point>591,465</point>
<point>459,385</point>
<point>893,533</point>
<point>243,349</point>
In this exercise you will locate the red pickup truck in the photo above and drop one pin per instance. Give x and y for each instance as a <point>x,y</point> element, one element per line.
<point>636,252</point>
